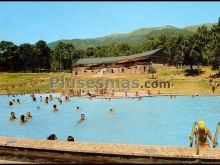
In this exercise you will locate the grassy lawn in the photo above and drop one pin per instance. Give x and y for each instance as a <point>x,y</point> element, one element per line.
<point>29,82</point>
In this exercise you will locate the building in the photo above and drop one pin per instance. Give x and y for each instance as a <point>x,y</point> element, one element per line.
<point>133,64</point>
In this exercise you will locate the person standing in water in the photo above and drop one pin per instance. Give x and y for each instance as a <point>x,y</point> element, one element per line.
<point>28,116</point>
<point>22,119</point>
<point>203,133</point>
<point>54,108</point>
<point>12,116</point>
<point>82,118</point>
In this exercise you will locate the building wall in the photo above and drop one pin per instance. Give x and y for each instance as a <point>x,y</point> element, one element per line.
<point>135,69</point>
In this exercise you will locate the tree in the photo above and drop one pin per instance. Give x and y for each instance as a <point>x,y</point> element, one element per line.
<point>63,54</point>
<point>152,71</point>
<point>43,53</point>
<point>28,57</point>
<point>8,56</point>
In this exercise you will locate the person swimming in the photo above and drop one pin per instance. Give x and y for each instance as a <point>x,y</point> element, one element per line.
<point>34,98</point>
<point>111,111</point>
<point>67,98</point>
<point>41,99</point>
<point>10,103</point>
<point>12,116</point>
<point>70,138</point>
<point>82,118</point>
<point>51,97</point>
<point>59,99</point>
<point>54,108</point>
<point>203,133</point>
<point>38,107</point>
<point>77,108</point>
<point>18,101</point>
<point>22,119</point>
<point>28,116</point>
<point>52,137</point>
<point>46,100</point>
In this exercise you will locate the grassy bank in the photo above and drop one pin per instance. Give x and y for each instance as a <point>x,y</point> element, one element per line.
<point>181,84</point>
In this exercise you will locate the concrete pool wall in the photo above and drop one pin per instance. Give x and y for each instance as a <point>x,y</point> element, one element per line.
<point>45,151</point>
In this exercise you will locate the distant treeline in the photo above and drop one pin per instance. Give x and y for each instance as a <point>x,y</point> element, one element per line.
<point>200,48</point>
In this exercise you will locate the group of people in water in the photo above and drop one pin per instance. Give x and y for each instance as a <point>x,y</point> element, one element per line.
<point>23,118</point>
<point>54,137</point>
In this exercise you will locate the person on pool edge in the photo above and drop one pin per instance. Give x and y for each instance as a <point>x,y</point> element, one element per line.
<point>203,133</point>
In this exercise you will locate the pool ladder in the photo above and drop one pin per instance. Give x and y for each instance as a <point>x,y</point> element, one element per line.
<point>216,133</point>
<point>195,129</point>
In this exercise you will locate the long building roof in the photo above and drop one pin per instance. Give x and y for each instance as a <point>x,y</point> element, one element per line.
<point>120,59</point>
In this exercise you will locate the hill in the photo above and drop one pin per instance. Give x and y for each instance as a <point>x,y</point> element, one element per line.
<point>135,37</point>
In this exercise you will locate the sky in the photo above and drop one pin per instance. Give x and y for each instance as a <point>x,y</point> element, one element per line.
<point>28,22</point>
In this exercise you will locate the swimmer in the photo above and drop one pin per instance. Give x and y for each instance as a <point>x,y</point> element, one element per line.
<point>46,100</point>
<point>77,108</point>
<point>55,108</point>
<point>59,99</point>
<point>111,111</point>
<point>28,116</point>
<point>52,137</point>
<point>82,118</point>
<point>51,97</point>
<point>22,119</point>
<point>70,138</point>
<point>10,103</point>
<point>18,101</point>
<point>203,133</point>
<point>14,100</point>
<point>67,98</point>
<point>12,116</point>
<point>34,98</point>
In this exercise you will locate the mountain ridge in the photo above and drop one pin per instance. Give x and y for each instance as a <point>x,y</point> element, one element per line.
<point>134,37</point>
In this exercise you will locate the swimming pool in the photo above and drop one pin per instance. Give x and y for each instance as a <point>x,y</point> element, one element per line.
<point>159,120</point>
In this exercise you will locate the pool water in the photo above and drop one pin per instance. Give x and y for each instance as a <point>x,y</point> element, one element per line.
<point>160,120</point>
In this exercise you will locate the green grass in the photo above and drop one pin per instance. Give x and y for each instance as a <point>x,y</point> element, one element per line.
<point>182,84</point>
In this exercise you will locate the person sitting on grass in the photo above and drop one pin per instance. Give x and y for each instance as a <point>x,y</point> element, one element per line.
<point>55,108</point>
<point>12,116</point>
<point>203,133</point>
